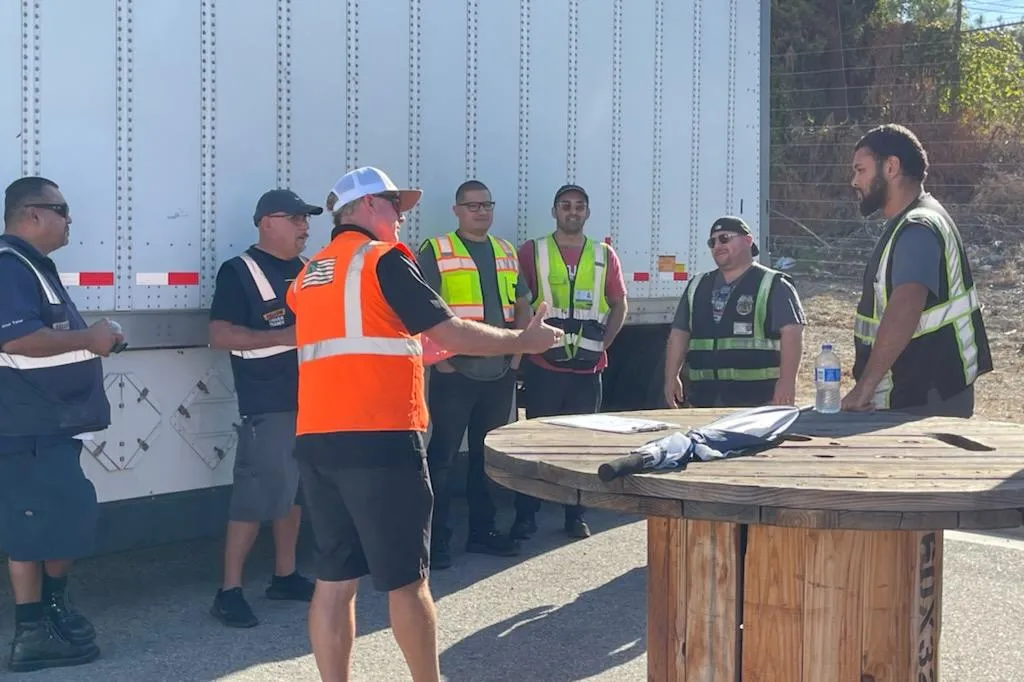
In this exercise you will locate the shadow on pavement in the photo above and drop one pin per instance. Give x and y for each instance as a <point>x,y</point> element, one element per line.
<point>151,606</point>
<point>602,629</point>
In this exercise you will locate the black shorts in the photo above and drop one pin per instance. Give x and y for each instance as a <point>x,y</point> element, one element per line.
<point>48,508</point>
<point>369,501</point>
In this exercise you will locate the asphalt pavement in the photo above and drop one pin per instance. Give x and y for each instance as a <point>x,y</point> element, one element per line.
<point>564,610</point>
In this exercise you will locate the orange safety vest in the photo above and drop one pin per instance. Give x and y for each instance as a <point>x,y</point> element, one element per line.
<point>359,368</point>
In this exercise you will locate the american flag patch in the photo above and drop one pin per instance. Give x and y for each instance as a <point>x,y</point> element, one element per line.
<point>318,273</point>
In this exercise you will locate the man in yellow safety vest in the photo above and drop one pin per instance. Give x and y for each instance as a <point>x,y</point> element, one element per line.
<point>477,275</point>
<point>581,281</point>
<point>919,336</point>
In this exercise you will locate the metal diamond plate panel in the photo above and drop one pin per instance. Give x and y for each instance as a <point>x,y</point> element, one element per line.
<point>207,418</point>
<point>135,421</point>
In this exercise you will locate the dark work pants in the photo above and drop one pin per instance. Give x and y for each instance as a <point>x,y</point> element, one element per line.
<point>550,394</point>
<point>458,403</point>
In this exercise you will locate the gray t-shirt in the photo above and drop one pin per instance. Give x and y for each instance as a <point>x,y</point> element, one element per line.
<point>783,304</point>
<point>474,367</point>
<point>916,257</point>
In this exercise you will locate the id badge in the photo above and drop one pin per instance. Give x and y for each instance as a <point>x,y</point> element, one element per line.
<point>742,329</point>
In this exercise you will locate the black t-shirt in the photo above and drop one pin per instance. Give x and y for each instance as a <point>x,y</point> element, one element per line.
<point>269,384</point>
<point>419,308</point>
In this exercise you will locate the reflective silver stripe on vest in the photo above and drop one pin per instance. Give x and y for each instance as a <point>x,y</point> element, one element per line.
<point>956,311</point>
<point>24,362</point>
<point>260,277</point>
<point>267,294</point>
<point>354,343</point>
<point>544,276</point>
<point>52,297</point>
<point>258,353</point>
<point>364,345</point>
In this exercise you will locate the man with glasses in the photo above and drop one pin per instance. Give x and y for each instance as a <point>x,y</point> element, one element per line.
<point>477,275</point>
<point>51,397</point>
<point>249,317</point>
<point>361,306</point>
<point>739,329</point>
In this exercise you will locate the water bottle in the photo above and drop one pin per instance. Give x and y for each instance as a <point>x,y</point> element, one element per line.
<point>827,380</point>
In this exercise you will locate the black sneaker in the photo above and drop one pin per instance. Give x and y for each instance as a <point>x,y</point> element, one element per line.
<point>40,645</point>
<point>577,528</point>
<point>492,542</point>
<point>440,555</point>
<point>523,527</point>
<point>230,608</point>
<point>294,587</point>
<point>71,624</point>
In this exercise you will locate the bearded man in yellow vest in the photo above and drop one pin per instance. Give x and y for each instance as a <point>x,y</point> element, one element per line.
<point>580,279</point>
<point>919,338</point>
<point>477,275</point>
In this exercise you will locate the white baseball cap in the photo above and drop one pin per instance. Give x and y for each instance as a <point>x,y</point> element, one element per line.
<point>368,180</point>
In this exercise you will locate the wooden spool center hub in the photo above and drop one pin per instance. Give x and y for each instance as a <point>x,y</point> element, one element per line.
<point>819,560</point>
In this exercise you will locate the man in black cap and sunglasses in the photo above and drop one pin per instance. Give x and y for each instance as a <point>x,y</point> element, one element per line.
<point>51,390</point>
<point>739,328</point>
<point>249,317</point>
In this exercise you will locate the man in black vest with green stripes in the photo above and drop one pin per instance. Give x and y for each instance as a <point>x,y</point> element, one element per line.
<point>739,328</point>
<point>919,336</point>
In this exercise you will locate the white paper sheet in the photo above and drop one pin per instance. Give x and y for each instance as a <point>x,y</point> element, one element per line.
<point>609,422</point>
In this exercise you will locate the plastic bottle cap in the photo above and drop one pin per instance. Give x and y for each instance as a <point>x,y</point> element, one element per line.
<point>826,346</point>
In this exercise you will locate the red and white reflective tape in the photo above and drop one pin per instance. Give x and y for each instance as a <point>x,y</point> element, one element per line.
<point>167,279</point>
<point>660,276</point>
<point>87,279</point>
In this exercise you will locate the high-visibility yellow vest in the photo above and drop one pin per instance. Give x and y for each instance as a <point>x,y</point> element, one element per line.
<point>949,348</point>
<point>460,279</point>
<point>576,305</point>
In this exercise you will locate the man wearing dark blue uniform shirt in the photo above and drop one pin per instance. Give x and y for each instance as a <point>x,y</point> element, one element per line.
<point>249,317</point>
<point>51,390</point>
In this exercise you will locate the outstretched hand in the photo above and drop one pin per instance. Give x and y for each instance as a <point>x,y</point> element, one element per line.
<point>539,336</point>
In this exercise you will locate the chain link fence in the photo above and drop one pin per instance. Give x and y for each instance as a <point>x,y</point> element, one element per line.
<point>961,92</point>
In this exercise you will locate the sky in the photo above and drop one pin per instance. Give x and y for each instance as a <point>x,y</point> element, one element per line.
<point>992,10</point>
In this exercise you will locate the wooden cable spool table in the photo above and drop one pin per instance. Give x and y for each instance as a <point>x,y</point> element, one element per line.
<point>819,560</point>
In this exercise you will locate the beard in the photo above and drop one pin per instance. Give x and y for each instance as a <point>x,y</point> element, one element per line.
<point>875,198</point>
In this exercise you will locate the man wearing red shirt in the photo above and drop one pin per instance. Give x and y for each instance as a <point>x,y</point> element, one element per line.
<point>581,281</point>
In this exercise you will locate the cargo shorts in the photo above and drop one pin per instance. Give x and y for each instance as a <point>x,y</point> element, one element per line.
<point>266,474</point>
<point>48,508</point>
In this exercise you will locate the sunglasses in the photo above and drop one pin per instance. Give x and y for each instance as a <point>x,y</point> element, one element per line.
<point>393,199</point>
<point>60,209</point>
<point>722,239</point>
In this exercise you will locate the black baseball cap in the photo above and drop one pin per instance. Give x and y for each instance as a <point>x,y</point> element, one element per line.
<point>733,224</point>
<point>564,189</point>
<point>283,201</point>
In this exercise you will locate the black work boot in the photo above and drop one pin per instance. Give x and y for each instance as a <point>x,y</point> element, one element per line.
<point>440,555</point>
<point>523,527</point>
<point>39,644</point>
<point>491,542</point>
<point>575,526</point>
<point>73,626</point>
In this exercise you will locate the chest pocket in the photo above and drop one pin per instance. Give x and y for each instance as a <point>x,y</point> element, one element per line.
<point>56,317</point>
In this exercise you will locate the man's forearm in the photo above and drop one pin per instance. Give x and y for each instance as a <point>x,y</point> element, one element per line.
<point>227,336</point>
<point>616,318</point>
<point>47,342</point>
<point>675,353</point>
<point>790,353</point>
<point>467,337</point>
<point>897,328</point>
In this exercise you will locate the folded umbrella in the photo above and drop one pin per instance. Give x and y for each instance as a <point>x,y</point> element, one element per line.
<point>741,433</point>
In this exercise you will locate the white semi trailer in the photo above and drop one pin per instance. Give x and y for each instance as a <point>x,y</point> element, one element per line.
<point>164,120</point>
